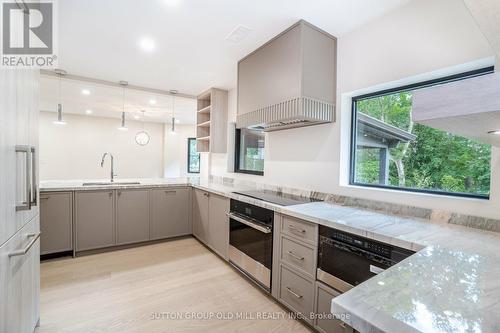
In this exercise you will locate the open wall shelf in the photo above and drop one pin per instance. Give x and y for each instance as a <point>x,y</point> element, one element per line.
<point>211,121</point>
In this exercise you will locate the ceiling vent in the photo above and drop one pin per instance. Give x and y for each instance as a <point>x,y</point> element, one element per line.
<point>238,34</point>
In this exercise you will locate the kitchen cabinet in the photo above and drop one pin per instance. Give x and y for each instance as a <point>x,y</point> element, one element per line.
<point>200,215</point>
<point>132,216</point>
<point>218,225</point>
<point>18,156</point>
<point>211,121</point>
<point>20,280</point>
<point>56,219</point>
<point>94,219</point>
<point>170,213</point>
<point>210,223</point>
<point>296,292</point>
<point>324,322</point>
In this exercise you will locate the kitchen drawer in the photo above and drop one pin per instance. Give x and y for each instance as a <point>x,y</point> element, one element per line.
<point>305,231</point>
<point>296,292</point>
<point>325,322</point>
<point>298,256</point>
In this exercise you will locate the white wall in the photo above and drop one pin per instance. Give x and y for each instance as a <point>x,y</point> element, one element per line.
<point>74,151</point>
<point>407,45</point>
<point>176,149</point>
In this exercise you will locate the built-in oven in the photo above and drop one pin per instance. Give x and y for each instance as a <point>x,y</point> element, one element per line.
<point>345,260</point>
<point>251,241</point>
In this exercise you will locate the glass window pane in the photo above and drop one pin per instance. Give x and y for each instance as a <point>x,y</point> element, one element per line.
<point>393,151</point>
<point>193,157</point>
<point>251,150</point>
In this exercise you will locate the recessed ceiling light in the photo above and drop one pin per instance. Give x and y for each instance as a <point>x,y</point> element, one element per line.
<point>171,3</point>
<point>136,117</point>
<point>495,132</point>
<point>85,92</point>
<point>152,101</point>
<point>147,44</point>
<point>88,111</point>
<point>177,121</point>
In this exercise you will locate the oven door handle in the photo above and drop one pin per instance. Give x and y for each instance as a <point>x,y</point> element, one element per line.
<point>251,224</point>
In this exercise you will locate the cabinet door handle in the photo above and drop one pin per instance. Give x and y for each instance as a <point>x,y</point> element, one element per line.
<point>25,205</point>
<point>28,247</point>
<point>296,229</point>
<point>293,255</point>
<point>293,292</point>
<point>110,194</point>
<point>119,193</point>
<point>34,187</point>
<point>342,324</point>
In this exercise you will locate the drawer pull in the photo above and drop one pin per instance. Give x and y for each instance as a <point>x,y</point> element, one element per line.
<point>170,192</point>
<point>28,247</point>
<point>293,255</point>
<point>296,229</point>
<point>44,198</point>
<point>293,292</point>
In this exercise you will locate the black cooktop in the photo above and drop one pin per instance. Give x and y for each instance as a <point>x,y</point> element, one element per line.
<point>278,198</point>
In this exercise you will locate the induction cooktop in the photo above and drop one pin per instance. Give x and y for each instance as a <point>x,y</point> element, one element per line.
<point>278,198</point>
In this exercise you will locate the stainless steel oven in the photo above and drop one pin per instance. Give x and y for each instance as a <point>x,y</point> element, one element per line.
<point>251,241</point>
<point>345,260</point>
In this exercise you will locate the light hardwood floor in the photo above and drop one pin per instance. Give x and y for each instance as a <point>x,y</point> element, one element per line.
<point>122,291</point>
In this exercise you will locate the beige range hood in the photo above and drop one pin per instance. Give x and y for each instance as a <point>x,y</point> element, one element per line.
<point>290,81</point>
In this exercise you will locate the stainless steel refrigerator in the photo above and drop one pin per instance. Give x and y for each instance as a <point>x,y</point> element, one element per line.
<point>19,212</point>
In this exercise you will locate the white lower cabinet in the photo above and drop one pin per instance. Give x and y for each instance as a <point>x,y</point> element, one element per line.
<point>20,280</point>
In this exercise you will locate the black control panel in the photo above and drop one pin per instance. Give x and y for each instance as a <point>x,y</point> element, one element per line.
<point>262,215</point>
<point>387,251</point>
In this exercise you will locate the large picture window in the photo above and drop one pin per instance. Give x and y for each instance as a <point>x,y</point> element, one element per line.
<point>249,154</point>
<point>193,157</point>
<point>390,151</point>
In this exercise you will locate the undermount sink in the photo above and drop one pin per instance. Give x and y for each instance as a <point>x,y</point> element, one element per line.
<point>110,183</point>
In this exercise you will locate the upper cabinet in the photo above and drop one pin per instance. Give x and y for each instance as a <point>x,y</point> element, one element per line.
<point>290,81</point>
<point>470,108</point>
<point>211,121</point>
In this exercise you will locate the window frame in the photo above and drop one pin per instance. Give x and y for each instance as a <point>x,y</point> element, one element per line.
<point>237,151</point>
<point>414,86</point>
<point>189,154</point>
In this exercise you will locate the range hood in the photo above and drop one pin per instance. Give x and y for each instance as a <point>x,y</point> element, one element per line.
<point>289,82</point>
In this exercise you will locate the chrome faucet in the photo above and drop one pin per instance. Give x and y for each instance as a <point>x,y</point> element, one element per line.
<point>112,167</point>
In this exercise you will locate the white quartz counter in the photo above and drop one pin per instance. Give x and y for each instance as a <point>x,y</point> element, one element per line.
<point>451,285</point>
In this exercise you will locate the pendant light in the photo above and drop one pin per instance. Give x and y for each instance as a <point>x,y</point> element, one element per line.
<point>142,138</point>
<point>60,120</point>
<point>123,127</point>
<point>173,93</point>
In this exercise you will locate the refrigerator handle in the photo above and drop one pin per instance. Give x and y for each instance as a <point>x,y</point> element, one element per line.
<point>26,205</point>
<point>34,186</point>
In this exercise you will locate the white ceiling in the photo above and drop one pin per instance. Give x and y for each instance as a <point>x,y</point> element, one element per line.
<point>107,101</point>
<point>99,39</point>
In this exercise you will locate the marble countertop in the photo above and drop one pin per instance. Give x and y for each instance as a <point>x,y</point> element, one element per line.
<point>452,283</point>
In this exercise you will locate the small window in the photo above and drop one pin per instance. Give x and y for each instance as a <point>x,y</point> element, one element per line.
<point>249,154</point>
<point>390,151</point>
<point>193,157</point>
